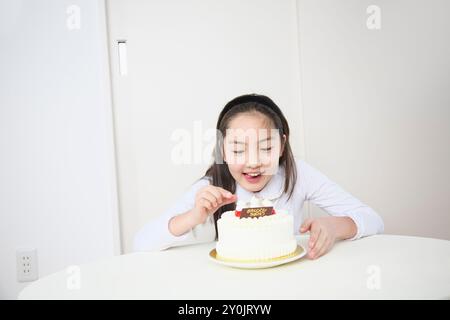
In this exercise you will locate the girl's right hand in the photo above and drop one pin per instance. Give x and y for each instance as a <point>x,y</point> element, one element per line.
<point>208,200</point>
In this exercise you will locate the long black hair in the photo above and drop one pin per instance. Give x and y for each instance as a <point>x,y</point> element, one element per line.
<point>219,174</point>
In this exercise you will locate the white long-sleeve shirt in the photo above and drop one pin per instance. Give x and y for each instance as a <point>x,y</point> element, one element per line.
<point>311,185</point>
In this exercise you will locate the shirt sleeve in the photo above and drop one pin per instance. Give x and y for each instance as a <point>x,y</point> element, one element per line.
<point>155,235</point>
<point>327,195</point>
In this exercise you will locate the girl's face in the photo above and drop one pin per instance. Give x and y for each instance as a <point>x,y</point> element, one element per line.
<point>252,149</point>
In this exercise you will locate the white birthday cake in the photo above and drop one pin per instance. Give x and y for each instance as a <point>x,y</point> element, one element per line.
<point>255,231</point>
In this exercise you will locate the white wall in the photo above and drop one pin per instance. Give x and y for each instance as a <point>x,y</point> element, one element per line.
<point>57,181</point>
<point>377,106</point>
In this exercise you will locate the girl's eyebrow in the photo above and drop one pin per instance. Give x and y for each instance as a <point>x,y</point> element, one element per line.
<point>265,139</point>
<point>241,142</point>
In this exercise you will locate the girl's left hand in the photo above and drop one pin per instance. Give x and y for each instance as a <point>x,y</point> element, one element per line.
<point>322,235</point>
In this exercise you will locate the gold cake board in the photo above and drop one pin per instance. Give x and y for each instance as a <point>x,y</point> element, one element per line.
<point>258,263</point>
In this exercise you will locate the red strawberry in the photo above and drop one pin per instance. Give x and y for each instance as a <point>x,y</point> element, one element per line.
<point>273,211</point>
<point>237,213</point>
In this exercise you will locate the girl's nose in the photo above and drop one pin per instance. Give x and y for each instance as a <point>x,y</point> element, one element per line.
<point>253,165</point>
<point>253,160</point>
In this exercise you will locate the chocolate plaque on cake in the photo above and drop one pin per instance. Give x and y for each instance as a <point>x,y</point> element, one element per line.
<point>256,212</point>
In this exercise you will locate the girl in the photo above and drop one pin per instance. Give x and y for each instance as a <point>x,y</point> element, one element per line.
<point>253,157</point>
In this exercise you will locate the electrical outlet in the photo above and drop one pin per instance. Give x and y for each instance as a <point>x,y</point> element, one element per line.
<point>27,265</point>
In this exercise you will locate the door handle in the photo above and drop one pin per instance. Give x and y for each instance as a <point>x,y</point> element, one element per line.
<point>123,63</point>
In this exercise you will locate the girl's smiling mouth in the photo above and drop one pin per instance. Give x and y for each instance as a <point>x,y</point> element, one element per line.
<point>252,177</point>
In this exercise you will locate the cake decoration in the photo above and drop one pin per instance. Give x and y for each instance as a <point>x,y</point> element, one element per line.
<point>255,208</point>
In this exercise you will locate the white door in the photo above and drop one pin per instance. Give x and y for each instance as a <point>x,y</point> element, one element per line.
<point>181,61</point>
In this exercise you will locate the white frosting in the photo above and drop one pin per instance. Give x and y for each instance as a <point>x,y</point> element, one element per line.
<point>255,238</point>
<point>254,202</point>
<point>240,204</point>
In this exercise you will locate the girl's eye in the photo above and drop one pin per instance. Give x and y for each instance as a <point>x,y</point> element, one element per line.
<point>238,152</point>
<point>266,149</point>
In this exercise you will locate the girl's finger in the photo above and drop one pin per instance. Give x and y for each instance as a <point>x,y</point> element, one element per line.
<point>230,200</point>
<point>319,244</point>
<point>216,193</point>
<point>326,246</point>
<point>205,203</point>
<point>227,194</point>
<point>226,197</point>
<point>306,225</point>
<point>315,233</point>
<point>210,197</point>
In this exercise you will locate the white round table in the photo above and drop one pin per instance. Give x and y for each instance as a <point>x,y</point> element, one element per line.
<point>377,267</point>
